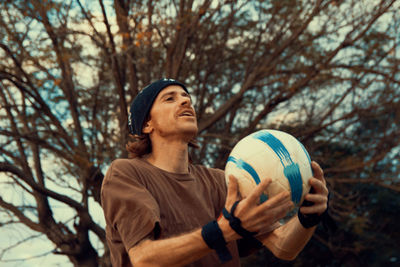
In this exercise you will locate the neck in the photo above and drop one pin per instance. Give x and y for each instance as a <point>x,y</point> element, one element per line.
<point>171,156</point>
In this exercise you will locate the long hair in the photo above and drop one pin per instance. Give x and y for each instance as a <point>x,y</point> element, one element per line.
<point>138,145</point>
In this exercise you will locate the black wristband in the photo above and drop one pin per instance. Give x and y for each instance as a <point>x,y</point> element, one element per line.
<point>236,225</point>
<point>214,239</point>
<point>310,220</point>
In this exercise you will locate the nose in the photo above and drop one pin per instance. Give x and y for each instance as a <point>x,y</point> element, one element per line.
<point>185,101</point>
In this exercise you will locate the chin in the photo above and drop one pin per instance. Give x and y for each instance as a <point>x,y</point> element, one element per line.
<point>190,133</point>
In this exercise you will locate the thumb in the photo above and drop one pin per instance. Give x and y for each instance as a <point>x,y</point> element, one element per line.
<point>232,191</point>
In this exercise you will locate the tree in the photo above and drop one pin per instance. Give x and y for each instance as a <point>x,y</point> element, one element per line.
<point>326,71</point>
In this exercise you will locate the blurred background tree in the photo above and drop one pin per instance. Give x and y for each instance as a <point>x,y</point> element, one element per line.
<point>326,71</point>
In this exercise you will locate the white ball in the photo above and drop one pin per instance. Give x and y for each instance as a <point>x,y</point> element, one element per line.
<point>270,154</point>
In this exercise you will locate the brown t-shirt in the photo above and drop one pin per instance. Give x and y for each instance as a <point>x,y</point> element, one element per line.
<point>140,200</point>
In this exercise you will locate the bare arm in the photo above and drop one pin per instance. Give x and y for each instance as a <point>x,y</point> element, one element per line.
<point>288,241</point>
<point>176,251</point>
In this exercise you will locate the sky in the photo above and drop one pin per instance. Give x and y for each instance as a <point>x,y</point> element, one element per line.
<point>36,252</point>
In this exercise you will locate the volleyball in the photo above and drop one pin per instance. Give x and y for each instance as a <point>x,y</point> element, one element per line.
<point>270,154</point>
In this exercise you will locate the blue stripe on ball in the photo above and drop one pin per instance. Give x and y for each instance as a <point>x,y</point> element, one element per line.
<point>290,169</point>
<point>248,168</point>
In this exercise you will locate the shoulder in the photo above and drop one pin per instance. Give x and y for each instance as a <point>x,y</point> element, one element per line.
<point>125,165</point>
<point>123,177</point>
<point>124,170</point>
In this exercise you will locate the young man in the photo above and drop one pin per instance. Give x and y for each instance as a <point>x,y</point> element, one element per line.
<point>161,210</point>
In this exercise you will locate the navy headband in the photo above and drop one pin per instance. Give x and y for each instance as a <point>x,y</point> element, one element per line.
<point>143,102</point>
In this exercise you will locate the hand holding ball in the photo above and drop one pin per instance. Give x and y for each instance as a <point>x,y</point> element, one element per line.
<point>271,154</point>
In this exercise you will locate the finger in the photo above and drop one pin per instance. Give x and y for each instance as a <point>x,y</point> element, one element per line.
<point>278,212</point>
<point>258,190</point>
<point>266,215</point>
<point>282,210</point>
<point>319,186</point>
<point>318,172</point>
<point>232,191</point>
<point>316,198</point>
<point>278,200</point>
<point>319,209</point>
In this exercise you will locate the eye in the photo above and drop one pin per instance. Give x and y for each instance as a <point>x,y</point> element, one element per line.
<point>170,98</point>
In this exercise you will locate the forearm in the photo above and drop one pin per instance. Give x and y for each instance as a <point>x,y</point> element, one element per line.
<point>287,241</point>
<point>175,251</point>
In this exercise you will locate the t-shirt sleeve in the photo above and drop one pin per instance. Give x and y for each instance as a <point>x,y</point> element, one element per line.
<point>128,206</point>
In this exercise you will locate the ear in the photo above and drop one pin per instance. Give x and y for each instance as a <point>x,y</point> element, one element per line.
<point>147,127</point>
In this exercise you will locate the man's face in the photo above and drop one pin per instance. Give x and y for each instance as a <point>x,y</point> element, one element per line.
<point>172,114</point>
